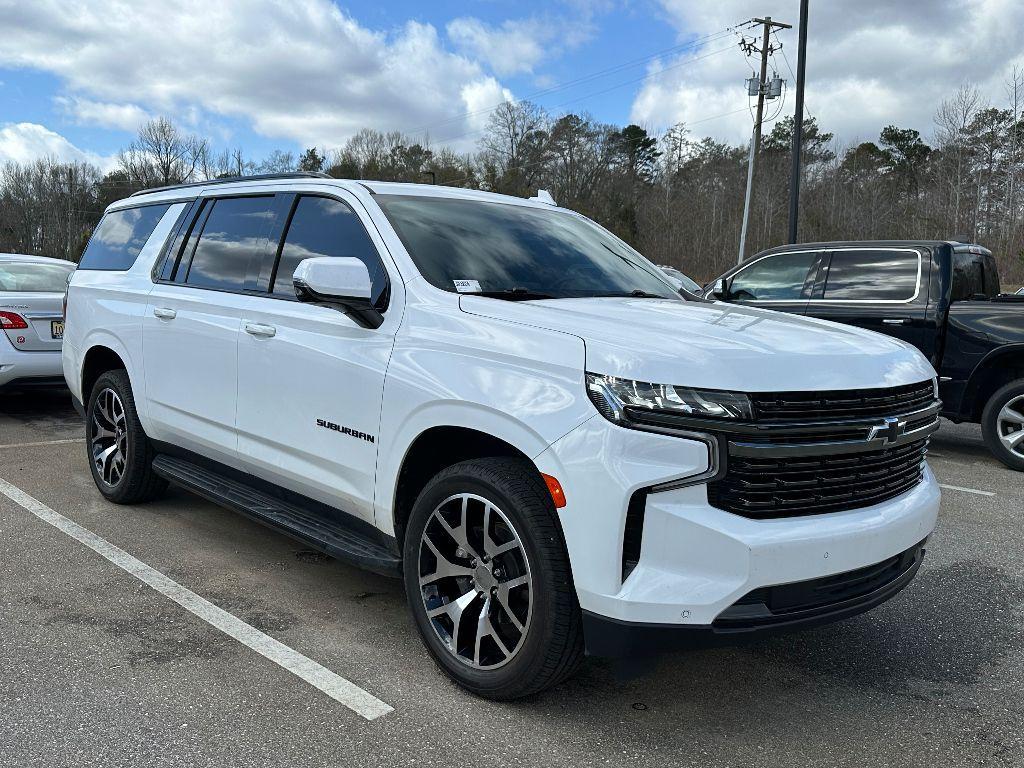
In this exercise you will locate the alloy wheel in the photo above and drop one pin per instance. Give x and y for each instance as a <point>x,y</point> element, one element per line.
<point>1010,426</point>
<point>475,581</point>
<point>108,437</point>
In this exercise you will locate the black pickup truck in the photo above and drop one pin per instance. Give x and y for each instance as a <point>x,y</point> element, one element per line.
<point>942,297</point>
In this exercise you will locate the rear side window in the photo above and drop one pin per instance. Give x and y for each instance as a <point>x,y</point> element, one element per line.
<point>120,236</point>
<point>34,277</point>
<point>872,275</point>
<point>233,236</point>
<point>322,226</point>
<point>974,274</point>
<point>784,277</point>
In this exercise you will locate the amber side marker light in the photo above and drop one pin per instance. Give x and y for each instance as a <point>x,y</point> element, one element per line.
<point>555,489</point>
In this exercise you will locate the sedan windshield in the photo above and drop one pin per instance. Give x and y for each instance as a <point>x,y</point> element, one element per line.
<point>34,277</point>
<point>518,252</point>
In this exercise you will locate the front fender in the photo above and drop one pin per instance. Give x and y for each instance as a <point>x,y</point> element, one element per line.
<point>524,386</point>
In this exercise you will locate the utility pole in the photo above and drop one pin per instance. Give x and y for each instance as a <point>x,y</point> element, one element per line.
<point>798,125</point>
<point>762,90</point>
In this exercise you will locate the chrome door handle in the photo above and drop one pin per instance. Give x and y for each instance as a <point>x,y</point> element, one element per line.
<point>258,329</point>
<point>897,321</point>
<point>164,313</point>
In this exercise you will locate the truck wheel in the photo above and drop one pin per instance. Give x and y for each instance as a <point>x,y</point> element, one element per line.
<point>120,454</point>
<point>1002,424</point>
<point>488,579</point>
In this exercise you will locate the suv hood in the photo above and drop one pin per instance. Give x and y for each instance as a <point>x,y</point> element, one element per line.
<point>717,346</point>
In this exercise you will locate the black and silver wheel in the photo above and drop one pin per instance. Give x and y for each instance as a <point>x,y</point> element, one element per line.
<point>108,437</point>
<point>488,579</point>
<point>475,581</point>
<point>1002,424</point>
<point>120,454</point>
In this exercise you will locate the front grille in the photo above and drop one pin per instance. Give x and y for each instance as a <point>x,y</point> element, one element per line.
<point>764,488</point>
<point>805,407</point>
<point>810,453</point>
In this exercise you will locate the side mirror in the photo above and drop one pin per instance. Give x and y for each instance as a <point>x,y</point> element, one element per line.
<point>718,290</point>
<point>342,282</point>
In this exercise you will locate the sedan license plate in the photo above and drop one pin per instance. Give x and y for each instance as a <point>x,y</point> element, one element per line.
<point>57,329</point>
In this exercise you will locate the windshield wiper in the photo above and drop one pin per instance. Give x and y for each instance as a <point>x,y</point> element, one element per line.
<point>513,294</point>
<point>635,294</point>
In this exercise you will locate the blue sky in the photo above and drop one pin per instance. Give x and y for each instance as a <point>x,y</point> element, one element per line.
<point>77,77</point>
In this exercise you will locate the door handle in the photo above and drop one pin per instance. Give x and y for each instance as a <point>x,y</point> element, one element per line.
<point>164,313</point>
<point>897,321</point>
<point>258,329</point>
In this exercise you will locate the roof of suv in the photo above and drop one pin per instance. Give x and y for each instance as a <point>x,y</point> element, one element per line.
<point>193,189</point>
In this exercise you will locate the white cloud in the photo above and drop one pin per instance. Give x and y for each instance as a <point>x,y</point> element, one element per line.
<point>303,70</point>
<point>870,63</point>
<point>519,45</point>
<point>125,117</point>
<point>25,142</point>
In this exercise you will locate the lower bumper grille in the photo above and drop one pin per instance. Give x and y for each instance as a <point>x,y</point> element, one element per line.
<point>774,487</point>
<point>802,600</point>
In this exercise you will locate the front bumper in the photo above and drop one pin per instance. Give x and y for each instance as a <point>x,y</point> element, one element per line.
<point>697,561</point>
<point>616,639</point>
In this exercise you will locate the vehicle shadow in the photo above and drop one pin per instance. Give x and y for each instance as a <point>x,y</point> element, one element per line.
<point>39,415</point>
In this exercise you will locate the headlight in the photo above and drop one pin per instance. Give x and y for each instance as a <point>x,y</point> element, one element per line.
<point>625,401</point>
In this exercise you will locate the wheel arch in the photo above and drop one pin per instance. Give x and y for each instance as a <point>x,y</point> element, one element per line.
<point>97,360</point>
<point>996,370</point>
<point>436,448</point>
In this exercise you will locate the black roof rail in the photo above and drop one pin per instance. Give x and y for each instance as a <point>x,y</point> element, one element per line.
<point>232,179</point>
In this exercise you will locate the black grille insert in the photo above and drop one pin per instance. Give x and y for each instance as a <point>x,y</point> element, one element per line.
<point>790,407</point>
<point>783,602</point>
<point>763,488</point>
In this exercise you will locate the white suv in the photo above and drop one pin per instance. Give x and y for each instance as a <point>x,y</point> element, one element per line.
<point>505,405</point>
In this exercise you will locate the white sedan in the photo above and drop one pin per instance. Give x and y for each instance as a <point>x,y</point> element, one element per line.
<point>32,318</point>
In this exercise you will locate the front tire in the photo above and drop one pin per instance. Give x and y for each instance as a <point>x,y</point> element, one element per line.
<point>1002,424</point>
<point>488,579</point>
<point>120,455</point>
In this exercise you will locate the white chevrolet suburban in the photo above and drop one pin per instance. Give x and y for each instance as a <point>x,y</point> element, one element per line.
<point>506,406</point>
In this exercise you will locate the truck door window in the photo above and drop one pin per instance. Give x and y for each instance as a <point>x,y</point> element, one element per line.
<point>872,275</point>
<point>234,234</point>
<point>783,277</point>
<point>322,226</point>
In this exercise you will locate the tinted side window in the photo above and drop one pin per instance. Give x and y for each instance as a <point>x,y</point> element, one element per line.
<point>234,233</point>
<point>872,275</point>
<point>120,236</point>
<point>322,226</point>
<point>968,277</point>
<point>787,276</point>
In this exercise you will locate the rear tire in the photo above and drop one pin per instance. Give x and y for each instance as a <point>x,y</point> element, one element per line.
<point>1002,425</point>
<point>119,452</point>
<point>519,628</point>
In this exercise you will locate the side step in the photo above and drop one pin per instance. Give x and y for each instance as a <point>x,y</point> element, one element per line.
<point>329,536</point>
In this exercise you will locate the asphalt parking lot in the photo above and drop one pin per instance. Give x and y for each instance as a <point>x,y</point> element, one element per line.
<point>97,668</point>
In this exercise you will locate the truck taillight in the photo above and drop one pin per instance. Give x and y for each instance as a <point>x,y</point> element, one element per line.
<point>12,321</point>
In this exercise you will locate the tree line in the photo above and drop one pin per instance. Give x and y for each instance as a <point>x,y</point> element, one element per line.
<point>676,197</point>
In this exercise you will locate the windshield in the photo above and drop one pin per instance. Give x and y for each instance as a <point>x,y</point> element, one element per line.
<point>34,277</point>
<point>514,251</point>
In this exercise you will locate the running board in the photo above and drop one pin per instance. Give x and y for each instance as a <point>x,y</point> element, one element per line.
<point>329,536</point>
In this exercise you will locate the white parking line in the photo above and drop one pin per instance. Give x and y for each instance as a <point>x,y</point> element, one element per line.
<point>966,490</point>
<point>42,442</point>
<point>335,686</point>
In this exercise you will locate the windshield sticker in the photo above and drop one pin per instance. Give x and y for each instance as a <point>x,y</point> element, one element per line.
<point>467,286</point>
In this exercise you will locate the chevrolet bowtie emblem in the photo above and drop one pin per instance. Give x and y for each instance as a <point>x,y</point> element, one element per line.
<point>891,431</point>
